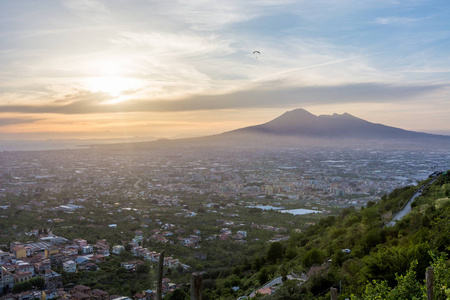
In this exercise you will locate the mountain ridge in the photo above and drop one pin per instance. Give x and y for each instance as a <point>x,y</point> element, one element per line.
<point>301,123</point>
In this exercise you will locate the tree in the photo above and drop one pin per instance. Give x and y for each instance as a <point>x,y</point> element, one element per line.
<point>263,276</point>
<point>177,294</point>
<point>22,286</point>
<point>38,282</point>
<point>275,252</point>
<point>371,239</point>
<point>143,269</point>
<point>313,256</point>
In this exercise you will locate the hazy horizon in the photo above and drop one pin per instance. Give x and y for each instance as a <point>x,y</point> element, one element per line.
<point>91,69</point>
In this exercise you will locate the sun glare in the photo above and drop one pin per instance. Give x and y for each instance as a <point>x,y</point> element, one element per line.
<point>113,85</point>
<point>108,75</point>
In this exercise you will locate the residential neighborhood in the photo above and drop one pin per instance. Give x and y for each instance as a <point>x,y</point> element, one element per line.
<point>26,261</point>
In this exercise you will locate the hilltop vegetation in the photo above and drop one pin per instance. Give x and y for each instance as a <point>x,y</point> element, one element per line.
<point>383,263</point>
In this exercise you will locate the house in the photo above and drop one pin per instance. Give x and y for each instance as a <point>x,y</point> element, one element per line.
<point>22,276</point>
<point>149,294</point>
<point>58,259</point>
<point>41,266</point>
<point>52,279</point>
<point>10,267</point>
<point>6,280</point>
<point>98,258</point>
<point>25,267</point>
<point>81,289</point>
<point>128,265</point>
<point>102,247</point>
<point>91,267</point>
<point>171,262</point>
<point>51,250</point>
<point>29,251</point>
<point>70,266</point>
<point>80,296</point>
<point>87,249</point>
<point>23,296</point>
<point>4,256</point>
<point>19,252</point>
<point>70,251</point>
<point>136,250</point>
<point>117,249</point>
<point>80,243</point>
<point>241,234</point>
<point>200,255</point>
<point>262,291</point>
<point>150,256</point>
<point>99,294</point>
<point>82,260</point>
<point>224,236</point>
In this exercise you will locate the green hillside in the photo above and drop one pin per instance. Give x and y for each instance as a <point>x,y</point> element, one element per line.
<point>380,262</point>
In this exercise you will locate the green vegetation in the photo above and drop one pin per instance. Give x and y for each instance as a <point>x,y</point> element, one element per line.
<point>36,282</point>
<point>384,262</point>
<point>380,263</point>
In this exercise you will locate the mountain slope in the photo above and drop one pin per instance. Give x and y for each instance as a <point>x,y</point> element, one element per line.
<point>300,122</point>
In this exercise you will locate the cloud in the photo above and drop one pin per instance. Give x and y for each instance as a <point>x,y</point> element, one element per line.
<point>86,6</point>
<point>395,20</point>
<point>18,120</point>
<point>90,103</point>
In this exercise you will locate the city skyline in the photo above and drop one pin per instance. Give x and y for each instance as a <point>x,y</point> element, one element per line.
<point>86,69</point>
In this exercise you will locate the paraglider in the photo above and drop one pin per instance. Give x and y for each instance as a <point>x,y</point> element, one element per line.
<point>256,53</point>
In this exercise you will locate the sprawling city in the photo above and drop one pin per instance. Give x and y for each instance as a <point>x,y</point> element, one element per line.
<point>67,212</point>
<point>224,150</point>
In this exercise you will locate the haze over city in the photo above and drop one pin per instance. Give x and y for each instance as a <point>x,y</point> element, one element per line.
<point>86,69</point>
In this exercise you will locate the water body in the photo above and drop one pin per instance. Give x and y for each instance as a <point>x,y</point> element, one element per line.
<point>38,145</point>
<point>300,211</point>
<point>265,207</point>
<point>63,144</point>
<point>296,211</point>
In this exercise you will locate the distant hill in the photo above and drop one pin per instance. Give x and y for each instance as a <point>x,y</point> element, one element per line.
<point>301,123</point>
<point>299,128</point>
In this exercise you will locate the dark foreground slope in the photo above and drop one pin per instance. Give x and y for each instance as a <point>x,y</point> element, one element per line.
<point>379,263</point>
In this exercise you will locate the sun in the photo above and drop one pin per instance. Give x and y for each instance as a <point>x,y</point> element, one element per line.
<point>113,85</point>
<point>111,75</point>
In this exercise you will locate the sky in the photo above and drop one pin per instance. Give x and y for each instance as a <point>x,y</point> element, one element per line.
<point>91,69</point>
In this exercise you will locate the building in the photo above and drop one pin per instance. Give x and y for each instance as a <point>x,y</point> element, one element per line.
<point>19,252</point>
<point>6,280</point>
<point>52,279</point>
<point>70,266</point>
<point>117,249</point>
<point>22,276</point>
<point>80,243</point>
<point>25,267</point>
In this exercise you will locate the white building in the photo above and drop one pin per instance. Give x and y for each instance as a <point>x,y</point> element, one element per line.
<point>117,249</point>
<point>70,266</point>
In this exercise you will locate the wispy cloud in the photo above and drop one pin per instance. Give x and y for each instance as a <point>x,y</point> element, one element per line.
<point>90,103</point>
<point>395,20</point>
<point>18,120</point>
<point>102,57</point>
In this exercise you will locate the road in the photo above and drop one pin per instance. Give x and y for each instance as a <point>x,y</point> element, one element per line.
<point>136,185</point>
<point>278,280</point>
<point>407,208</point>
